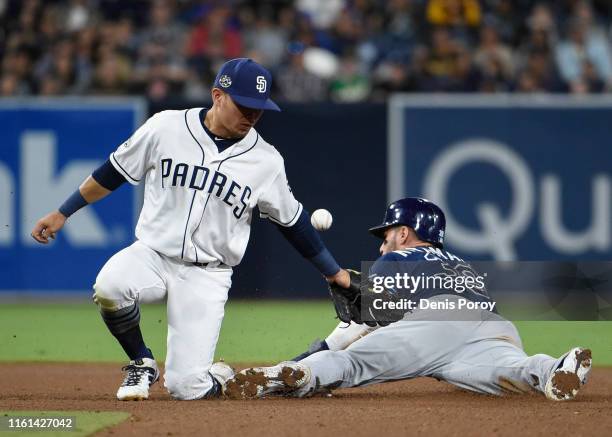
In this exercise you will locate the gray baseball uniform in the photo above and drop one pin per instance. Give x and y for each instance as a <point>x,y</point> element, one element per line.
<point>475,349</point>
<point>484,355</point>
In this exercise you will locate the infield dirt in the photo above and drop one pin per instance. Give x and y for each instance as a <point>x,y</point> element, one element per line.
<point>422,406</point>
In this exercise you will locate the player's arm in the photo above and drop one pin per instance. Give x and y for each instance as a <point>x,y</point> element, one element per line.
<point>98,185</point>
<point>128,163</point>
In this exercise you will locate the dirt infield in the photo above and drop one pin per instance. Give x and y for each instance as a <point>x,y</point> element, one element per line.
<point>421,406</point>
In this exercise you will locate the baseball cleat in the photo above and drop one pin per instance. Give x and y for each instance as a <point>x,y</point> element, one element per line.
<point>257,382</point>
<point>141,374</point>
<point>222,372</point>
<point>572,373</point>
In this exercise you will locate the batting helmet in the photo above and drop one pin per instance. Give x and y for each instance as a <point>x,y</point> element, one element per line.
<point>425,217</point>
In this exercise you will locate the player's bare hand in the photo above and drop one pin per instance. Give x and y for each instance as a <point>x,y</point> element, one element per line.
<point>47,226</point>
<point>342,278</point>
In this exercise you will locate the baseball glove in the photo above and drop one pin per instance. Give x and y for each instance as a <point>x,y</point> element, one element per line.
<point>349,303</point>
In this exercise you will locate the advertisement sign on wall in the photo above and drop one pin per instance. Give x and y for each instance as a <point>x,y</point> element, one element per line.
<point>47,148</point>
<point>520,178</point>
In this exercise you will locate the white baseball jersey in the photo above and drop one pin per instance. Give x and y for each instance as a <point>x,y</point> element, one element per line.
<point>198,203</point>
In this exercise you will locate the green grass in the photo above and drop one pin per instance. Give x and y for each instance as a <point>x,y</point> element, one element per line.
<point>252,331</point>
<point>85,422</point>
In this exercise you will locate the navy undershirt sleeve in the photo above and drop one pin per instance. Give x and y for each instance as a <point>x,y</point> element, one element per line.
<point>306,240</point>
<point>107,176</point>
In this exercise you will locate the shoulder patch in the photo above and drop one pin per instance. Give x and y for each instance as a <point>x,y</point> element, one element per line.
<point>225,81</point>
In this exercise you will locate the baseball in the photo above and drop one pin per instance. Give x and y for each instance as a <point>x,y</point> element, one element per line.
<point>321,220</point>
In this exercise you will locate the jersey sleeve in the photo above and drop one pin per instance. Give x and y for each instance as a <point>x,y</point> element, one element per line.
<point>133,158</point>
<point>277,202</point>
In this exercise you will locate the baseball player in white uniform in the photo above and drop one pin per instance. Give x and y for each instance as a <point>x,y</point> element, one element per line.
<point>473,348</point>
<point>204,171</point>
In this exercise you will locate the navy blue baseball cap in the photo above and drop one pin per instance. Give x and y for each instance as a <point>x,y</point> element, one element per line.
<point>247,82</point>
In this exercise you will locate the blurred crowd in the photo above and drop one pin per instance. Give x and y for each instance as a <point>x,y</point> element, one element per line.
<point>318,50</point>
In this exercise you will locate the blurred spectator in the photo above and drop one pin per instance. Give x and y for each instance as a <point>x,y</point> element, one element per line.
<point>49,30</point>
<point>123,38</point>
<point>537,40</point>
<point>296,84</point>
<point>350,85</point>
<point>589,82</point>
<point>17,65</point>
<point>195,88</point>
<point>71,72</point>
<point>160,68</point>
<point>466,78</point>
<point>505,16</point>
<point>541,19</point>
<point>390,77</point>
<point>454,12</point>
<point>267,40</point>
<point>401,18</point>
<point>50,86</point>
<point>584,46</point>
<point>25,33</point>
<point>442,57</point>
<point>540,33</point>
<point>346,31</point>
<point>584,52</point>
<point>539,75</point>
<point>322,13</point>
<point>495,60</point>
<point>355,50</point>
<point>370,50</point>
<point>213,39</point>
<point>164,30</point>
<point>460,16</point>
<point>112,75</point>
<point>446,66</point>
<point>9,85</point>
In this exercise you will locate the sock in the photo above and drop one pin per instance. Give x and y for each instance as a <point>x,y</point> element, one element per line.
<point>125,327</point>
<point>133,344</point>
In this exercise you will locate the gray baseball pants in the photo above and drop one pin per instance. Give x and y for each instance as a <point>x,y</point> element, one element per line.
<point>475,350</point>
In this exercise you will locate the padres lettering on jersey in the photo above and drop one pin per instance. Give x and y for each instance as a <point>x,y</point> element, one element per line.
<point>198,201</point>
<point>177,175</point>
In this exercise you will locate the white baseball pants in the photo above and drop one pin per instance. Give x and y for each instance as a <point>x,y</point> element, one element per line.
<point>196,299</point>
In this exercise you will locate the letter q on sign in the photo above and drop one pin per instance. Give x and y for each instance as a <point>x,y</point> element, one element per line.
<point>498,234</point>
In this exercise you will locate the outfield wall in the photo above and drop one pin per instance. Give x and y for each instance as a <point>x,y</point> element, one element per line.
<point>521,178</point>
